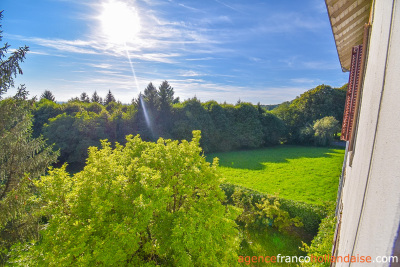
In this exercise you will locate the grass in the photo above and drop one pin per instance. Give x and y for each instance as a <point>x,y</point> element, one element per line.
<point>308,174</point>
<point>269,242</point>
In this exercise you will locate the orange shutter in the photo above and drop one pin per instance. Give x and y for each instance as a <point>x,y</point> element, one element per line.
<point>352,91</point>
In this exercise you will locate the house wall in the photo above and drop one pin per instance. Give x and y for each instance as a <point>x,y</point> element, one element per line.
<point>371,192</point>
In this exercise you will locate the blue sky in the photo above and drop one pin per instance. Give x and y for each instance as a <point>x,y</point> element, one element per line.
<point>256,50</point>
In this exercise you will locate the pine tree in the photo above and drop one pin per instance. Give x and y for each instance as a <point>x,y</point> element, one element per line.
<point>95,98</point>
<point>150,96</point>
<point>109,98</point>
<point>48,95</point>
<point>22,158</point>
<point>9,66</point>
<point>165,96</point>
<point>84,98</point>
<point>165,100</point>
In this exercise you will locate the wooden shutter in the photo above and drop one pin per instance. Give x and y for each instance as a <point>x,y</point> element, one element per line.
<point>352,91</point>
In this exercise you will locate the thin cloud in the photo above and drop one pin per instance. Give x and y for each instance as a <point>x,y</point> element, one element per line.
<point>229,6</point>
<point>320,65</point>
<point>302,80</point>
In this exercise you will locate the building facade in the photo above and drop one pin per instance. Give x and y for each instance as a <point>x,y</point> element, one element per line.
<point>368,207</point>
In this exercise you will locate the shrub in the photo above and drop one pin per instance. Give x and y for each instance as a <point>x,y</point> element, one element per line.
<point>310,215</point>
<point>322,243</point>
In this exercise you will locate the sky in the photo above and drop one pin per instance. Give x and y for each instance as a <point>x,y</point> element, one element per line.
<point>254,50</point>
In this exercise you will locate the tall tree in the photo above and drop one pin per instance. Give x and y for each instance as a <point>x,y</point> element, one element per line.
<point>150,95</point>
<point>165,100</point>
<point>22,158</point>
<point>165,96</point>
<point>84,98</point>
<point>95,98</point>
<point>109,98</point>
<point>9,67</point>
<point>48,95</point>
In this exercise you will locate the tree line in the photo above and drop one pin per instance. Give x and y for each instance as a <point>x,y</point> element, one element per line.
<point>73,127</point>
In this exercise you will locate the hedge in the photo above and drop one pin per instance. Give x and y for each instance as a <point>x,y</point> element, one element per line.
<point>310,214</point>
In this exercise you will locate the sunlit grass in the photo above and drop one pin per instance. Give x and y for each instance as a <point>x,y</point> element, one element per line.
<point>308,174</point>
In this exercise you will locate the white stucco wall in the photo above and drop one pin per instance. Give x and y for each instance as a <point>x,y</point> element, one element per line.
<point>371,193</point>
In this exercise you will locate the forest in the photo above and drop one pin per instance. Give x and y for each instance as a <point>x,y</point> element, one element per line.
<point>139,190</point>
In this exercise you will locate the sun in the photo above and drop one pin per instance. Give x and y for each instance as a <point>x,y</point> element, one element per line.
<point>119,22</point>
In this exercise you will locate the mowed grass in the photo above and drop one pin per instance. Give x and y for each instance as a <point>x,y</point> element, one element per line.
<point>308,174</point>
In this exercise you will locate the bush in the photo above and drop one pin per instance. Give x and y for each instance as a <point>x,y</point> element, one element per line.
<point>322,243</point>
<point>310,215</point>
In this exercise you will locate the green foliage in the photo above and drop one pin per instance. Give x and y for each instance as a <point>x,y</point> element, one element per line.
<point>265,211</point>
<point>22,159</point>
<point>224,127</point>
<point>322,243</point>
<point>84,98</point>
<point>309,214</point>
<point>193,116</point>
<point>248,129</point>
<point>151,97</point>
<point>109,98</point>
<point>312,105</point>
<point>145,203</point>
<point>9,67</point>
<point>324,129</point>
<point>48,95</point>
<point>164,122</point>
<point>270,209</point>
<point>95,107</point>
<point>73,135</point>
<point>96,98</point>
<point>73,107</point>
<point>42,112</point>
<point>273,129</point>
<point>306,174</point>
<point>268,242</point>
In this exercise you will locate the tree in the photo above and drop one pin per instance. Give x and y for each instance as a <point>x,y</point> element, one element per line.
<point>273,128</point>
<point>248,128</point>
<point>143,204</point>
<point>74,99</point>
<point>9,67</point>
<point>324,129</point>
<point>22,158</point>
<point>165,100</point>
<point>150,95</point>
<point>48,95</point>
<point>109,98</point>
<point>316,103</point>
<point>193,116</point>
<point>84,98</point>
<point>74,134</point>
<point>42,112</point>
<point>95,98</point>
<point>165,96</point>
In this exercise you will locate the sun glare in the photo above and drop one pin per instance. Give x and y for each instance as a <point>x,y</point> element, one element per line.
<point>119,21</point>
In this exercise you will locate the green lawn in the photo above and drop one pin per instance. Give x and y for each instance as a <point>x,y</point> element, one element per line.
<point>308,174</point>
<point>269,242</point>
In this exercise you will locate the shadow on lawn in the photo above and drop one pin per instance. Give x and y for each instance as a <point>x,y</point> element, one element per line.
<point>254,159</point>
